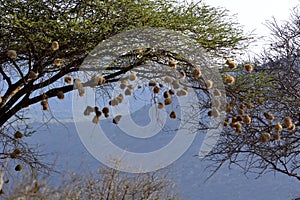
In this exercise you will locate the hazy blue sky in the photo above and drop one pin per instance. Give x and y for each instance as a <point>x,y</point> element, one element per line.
<point>253,14</point>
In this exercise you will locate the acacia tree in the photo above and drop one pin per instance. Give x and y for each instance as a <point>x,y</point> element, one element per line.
<point>45,42</point>
<point>264,109</point>
<point>32,27</point>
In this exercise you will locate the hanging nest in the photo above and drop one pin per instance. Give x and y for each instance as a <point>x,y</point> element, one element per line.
<point>81,91</point>
<point>117,119</point>
<point>156,89</point>
<point>250,105</point>
<point>182,92</point>
<point>173,115</point>
<point>160,105</point>
<point>228,109</point>
<point>229,79</point>
<point>172,64</point>
<point>238,128</point>
<point>268,116</point>
<point>247,119</point>
<point>287,122</point>
<point>166,94</point>
<point>18,135</point>
<point>249,68</point>
<point>12,54</point>
<point>96,119</point>
<point>60,95</point>
<point>182,74</point>
<point>217,103</point>
<point>45,104</point>
<point>226,121</point>
<point>101,80</point>
<point>18,168</point>
<point>105,110</point>
<point>128,92</point>
<point>77,83</point>
<point>215,112</point>
<point>120,98</point>
<point>260,101</point>
<point>32,75</point>
<point>264,137</point>
<point>124,81</point>
<point>292,127</point>
<point>276,137</point>
<point>231,64</point>
<point>217,93</point>
<point>196,73</point>
<point>68,79</point>
<point>278,126</point>
<point>209,84</point>
<point>17,151</point>
<point>130,87</point>
<point>98,113</point>
<point>152,83</point>
<point>88,110</point>
<point>171,92</point>
<point>241,112</point>
<point>58,62</point>
<point>168,101</point>
<point>123,86</point>
<point>114,102</point>
<point>54,46</point>
<point>132,77</point>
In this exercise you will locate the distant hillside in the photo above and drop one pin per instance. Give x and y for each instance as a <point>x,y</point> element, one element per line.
<point>188,170</point>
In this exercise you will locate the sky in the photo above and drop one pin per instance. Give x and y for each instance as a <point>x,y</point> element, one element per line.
<point>254,14</point>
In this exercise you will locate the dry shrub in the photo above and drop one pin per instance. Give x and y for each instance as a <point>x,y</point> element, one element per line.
<point>109,184</point>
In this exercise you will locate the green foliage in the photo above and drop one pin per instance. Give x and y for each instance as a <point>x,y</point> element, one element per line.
<point>29,26</point>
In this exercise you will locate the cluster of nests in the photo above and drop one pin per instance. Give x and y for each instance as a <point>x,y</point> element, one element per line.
<point>96,80</point>
<point>243,118</point>
<point>228,79</point>
<point>127,85</point>
<point>174,88</point>
<point>287,123</point>
<point>231,65</point>
<point>98,114</point>
<point>58,61</point>
<point>32,75</point>
<point>16,152</point>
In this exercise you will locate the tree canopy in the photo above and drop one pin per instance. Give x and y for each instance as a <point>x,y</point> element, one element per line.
<point>29,27</point>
